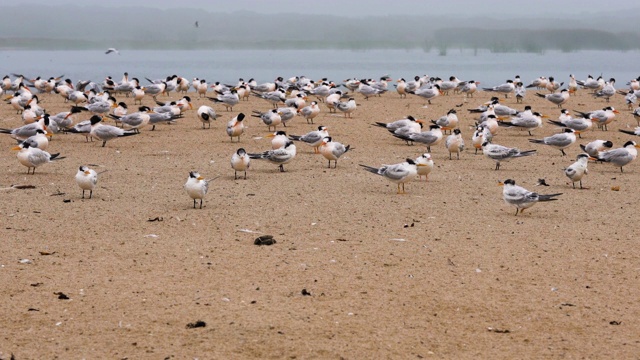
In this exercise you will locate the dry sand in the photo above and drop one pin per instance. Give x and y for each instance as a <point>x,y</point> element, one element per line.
<point>446,271</point>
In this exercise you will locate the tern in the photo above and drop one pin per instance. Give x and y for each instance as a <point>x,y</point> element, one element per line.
<point>506,88</point>
<point>525,121</point>
<point>235,126</point>
<point>395,125</point>
<point>228,99</point>
<point>32,157</point>
<point>26,131</point>
<point>107,132</point>
<point>310,112</point>
<point>270,118</point>
<point>500,153</point>
<point>578,124</point>
<point>87,179</point>
<point>278,156</point>
<point>196,187</point>
<point>333,150</point>
<point>596,146</point>
<point>556,98</point>
<point>448,122</point>
<point>346,107</point>
<point>429,138</point>
<point>397,173</point>
<point>559,141</point>
<point>206,114</point>
<point>578,169</point>
<point>312,138</point>
<point>601,117</point>
<point>522,198</point>
<point>426,165</point>
<point>240,161</point>
<point>454,143</point>
<point>621,156</point>
<point>278,139</point>
<point>427,93</point>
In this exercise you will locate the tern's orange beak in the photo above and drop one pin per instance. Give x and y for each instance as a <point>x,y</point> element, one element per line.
<point>16,148</point>
<point>616,112</point>
<point>500,183</point>
<point>270,135</point>
<point>87,172</point>
<point>199,178</point>
<point>592,158</point>
<point>190,106</point>
<point>420,121</point>
<point>638,146</point>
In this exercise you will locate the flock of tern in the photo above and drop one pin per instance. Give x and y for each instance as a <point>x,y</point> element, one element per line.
<point>288,98</point>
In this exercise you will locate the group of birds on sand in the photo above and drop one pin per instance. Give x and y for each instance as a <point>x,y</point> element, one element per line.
<point>288,98</point>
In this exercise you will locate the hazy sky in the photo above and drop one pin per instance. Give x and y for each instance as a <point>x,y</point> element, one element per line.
<point>359,8</point>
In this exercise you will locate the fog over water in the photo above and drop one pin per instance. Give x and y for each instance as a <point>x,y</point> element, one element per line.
<point>263,65</point>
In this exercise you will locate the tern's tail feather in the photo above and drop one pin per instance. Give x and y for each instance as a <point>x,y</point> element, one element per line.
<point>526,153</point>
<point>259,155</point>
<point>5,131</point>
<point>56,157</point>
<point>549,197</point>
<point>401,136</point>
<point>557,123</point>
<point>78,108</point>
<point>540,95</point>
<point>536,141</point>
<point>370,169</point>
<point>381,124</point>
<point>129,133</point>
<point>295,137</point>
<point>582,114</point>
<point>626,132</point>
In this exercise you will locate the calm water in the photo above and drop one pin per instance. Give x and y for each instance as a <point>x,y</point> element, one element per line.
<point>228,65</point>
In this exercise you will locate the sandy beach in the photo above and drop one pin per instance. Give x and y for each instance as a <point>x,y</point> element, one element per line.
<point>445,271</point>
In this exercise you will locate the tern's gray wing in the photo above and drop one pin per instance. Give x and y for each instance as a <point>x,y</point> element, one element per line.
<point>279,155</point>
<point>527,122</point>
<point>338,150</point>
<point>559,140</point>
<point>99,107</point>
<point>38,157</point>
<point>25,131</point>
<point>134,119</point>
<point>503,88</point>
<point>570,171</point>
<point>499,152</point>
<point>423,137</point>
<point>155,118</point>
<point>395,172</point>
<point>312,137</point>
<point>107,132</point>
<point>501,110</point>
<point>577,124</point>
<point>617,156</point>
<point>555,98</point>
